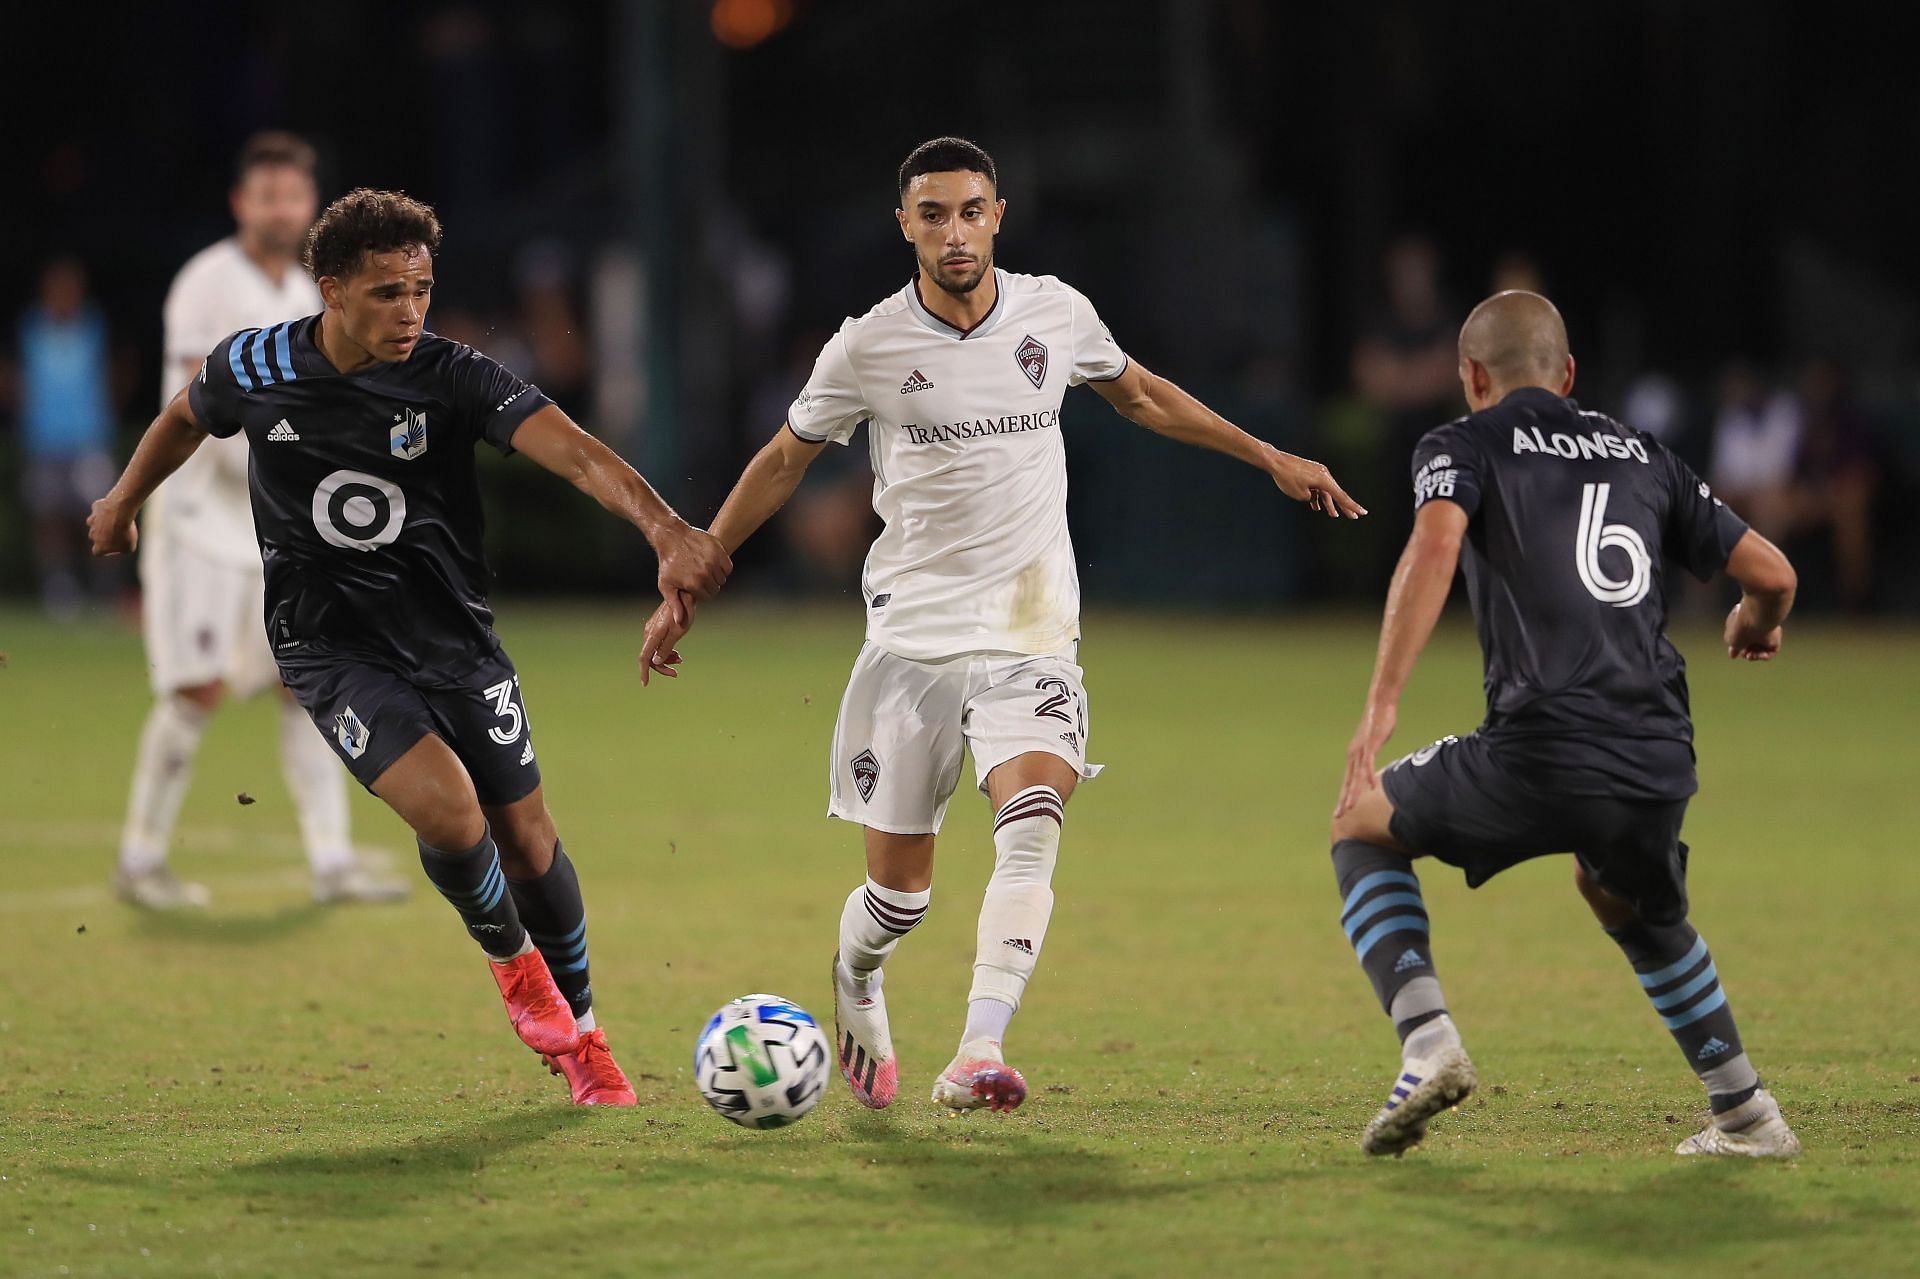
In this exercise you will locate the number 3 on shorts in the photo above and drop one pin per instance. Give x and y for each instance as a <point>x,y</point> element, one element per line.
<point>501,695</point>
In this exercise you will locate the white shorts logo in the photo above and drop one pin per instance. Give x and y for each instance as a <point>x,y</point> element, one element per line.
<point>357,511</point>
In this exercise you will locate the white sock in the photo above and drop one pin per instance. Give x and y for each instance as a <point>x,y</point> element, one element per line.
<point>162,767</point>
<point>987,1019</point>
<point>872,923</point>
<point>526,947</point>
<point>1430,1037</point>
<point>1019,900</point>
<point>318,783</point>
<point>586,1022</point>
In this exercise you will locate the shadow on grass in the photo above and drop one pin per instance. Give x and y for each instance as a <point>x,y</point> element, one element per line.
<point>1696,1210</point>
<point>232,930</point>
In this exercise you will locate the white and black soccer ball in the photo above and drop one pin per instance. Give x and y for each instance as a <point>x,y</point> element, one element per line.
<point>762,1062</point>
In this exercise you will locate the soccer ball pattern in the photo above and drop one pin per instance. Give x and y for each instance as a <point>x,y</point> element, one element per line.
<point>762,1062</point>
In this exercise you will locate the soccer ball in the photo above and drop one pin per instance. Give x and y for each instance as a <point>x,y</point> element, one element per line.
<point>762,1062</point>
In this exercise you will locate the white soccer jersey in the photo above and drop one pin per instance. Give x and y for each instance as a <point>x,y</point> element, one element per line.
<point>219,290</point>
<point>970,474</point>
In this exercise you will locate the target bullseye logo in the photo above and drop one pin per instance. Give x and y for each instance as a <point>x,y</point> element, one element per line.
<point>357,511</point>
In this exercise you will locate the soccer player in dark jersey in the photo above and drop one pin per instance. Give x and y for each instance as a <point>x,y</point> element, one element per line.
<point>1568,519</point>
<point>362,427</point>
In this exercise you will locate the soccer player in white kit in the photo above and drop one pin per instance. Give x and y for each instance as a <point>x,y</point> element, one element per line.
<point>972,596</point>
<point>203,587</point>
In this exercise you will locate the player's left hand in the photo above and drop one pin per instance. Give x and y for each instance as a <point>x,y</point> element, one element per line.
<point>1305,480</point>
<point>1376,726</point>
<point>111,531</point>
<point>665,629</point>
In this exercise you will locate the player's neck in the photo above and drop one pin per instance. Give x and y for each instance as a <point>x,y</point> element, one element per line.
<point>339,350</point>
<point>272,265</point>
<point>963,311</point>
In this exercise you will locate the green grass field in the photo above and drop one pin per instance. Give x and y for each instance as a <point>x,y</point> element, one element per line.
<point>277,1089</point>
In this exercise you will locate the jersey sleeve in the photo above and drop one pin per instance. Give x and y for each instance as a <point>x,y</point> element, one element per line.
<point>1701,529</point>
<point>831,405</point>
<point>490,400</point>
<point>1096,356</point>
<point>1445,467</point>
<point>215,395</point>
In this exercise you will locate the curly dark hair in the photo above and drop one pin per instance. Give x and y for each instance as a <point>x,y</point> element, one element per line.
<point>947,155</point>
<point>367,221</point>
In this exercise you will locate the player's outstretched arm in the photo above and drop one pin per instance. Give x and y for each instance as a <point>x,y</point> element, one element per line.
<point>164,449</point>
<point>1163,408</point>
<point>1767,586</point>
<point>762,489</point>
<point>1419,591</point>
<point>692,564</point>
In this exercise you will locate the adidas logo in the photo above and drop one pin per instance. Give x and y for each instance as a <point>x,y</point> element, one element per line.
<point>1712,1048</point>
<point>1020,944</point>
<point>283,432</point>
<point>916,381</point>
<point>526,756</point>
<point>1409,959</point>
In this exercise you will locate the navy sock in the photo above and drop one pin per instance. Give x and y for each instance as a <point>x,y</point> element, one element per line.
<point>471,880</point>
<point>556,919</point>
<point>1677,972</point>
<point>1385,919</point>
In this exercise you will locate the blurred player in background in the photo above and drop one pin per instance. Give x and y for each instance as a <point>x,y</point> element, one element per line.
<point>204,613</point>
<point>367,514</point>
<point>973,598</point>
<point>1569,519</point>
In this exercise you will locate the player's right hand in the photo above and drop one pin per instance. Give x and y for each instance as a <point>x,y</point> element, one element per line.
<point>1745,644</point>
<point>664,631</point>
<point>1376,726</point>
<point>111,531</point>
<point>692,563</point>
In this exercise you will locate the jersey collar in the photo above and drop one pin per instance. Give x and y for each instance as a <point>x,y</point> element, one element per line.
<point>929,320</point>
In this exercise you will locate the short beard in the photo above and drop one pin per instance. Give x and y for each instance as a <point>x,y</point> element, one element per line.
<point>965,286</point>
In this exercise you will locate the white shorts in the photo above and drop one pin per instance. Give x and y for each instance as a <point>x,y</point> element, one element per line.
<point>203,620</point>
<point>904,724</point>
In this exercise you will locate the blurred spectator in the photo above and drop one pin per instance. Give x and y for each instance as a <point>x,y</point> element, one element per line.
<point>1756,437</point>
<point>561,360</point>
<point>66,425</point>
<point>1836,478</point>
<point>1405,374</point>
<point>1654,403</point>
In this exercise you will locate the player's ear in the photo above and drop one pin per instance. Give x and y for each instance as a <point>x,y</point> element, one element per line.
<point>999,211</point>
<point>900,216</point>
<point>1566,383</point>
<point>332,292</point>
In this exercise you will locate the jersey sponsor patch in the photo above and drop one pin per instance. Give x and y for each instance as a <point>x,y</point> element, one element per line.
<point>1031,356</point>
<point>409,439</point>
<point>358,512</point>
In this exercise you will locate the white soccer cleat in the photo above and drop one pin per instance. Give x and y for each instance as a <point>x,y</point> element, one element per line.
<point>979,1076</point>
<point>1754,1128</point>
<point>861,1040</point>
<point>358,882</point>
<point>1440,1077</point>
<point>159,889</point>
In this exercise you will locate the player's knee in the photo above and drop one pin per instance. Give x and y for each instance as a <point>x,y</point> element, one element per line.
<point>526,841</point>
<point>903,863</point>
<point>205,698</point>
<point>1611,911</point>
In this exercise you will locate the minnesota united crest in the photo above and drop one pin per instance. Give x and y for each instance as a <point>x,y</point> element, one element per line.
<point>351,733</point>
<point>409,438</point>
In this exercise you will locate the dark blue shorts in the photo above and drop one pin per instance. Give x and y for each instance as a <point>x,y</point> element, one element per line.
<point>371,716</point>
<point>1477,805</point>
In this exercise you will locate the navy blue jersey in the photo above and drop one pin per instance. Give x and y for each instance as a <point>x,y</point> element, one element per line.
<point>363,491</point>
<point>1573,519</point>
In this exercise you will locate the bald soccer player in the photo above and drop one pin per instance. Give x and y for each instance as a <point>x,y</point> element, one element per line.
<point>1569,519</point>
